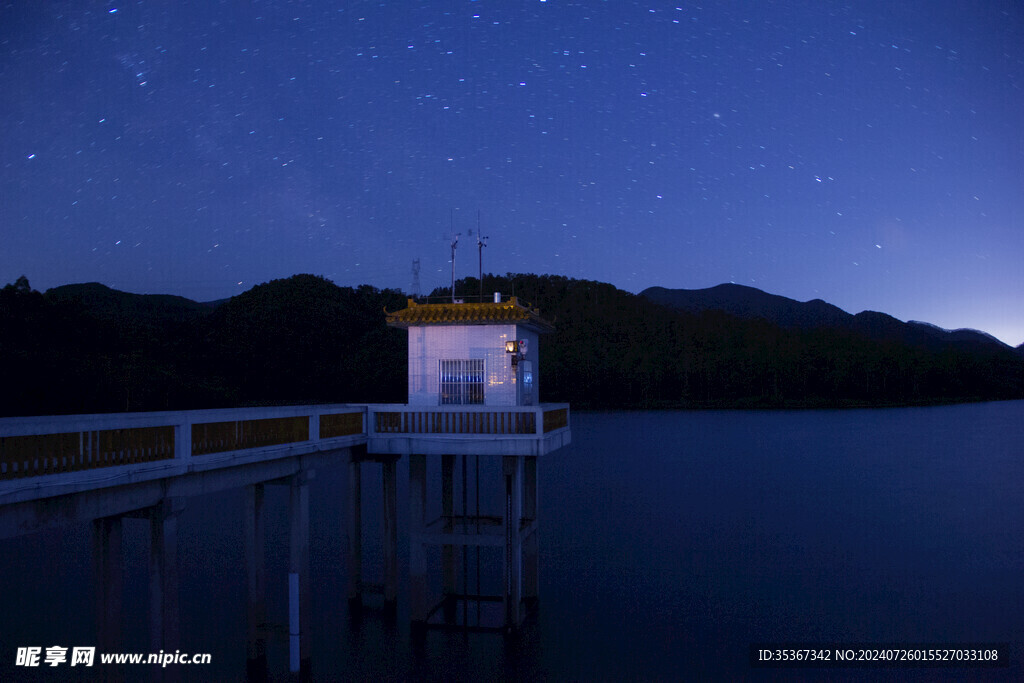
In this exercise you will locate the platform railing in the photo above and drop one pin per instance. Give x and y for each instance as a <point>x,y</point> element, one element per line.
<point>467,420</point>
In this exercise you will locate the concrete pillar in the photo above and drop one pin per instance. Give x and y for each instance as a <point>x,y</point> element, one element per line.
<point>418,605</point>
<point>512,467</point>
<point>109,581</point>
<point>298,575</point>
<point>448,577</point>
<point>531,559</point>
<point>314,427</point>
<point>355,532</point>
<point>530,487</point>
<point>253,542</point>
<point>163,575</point>
<point>390,534</point>
<point>183,441</point>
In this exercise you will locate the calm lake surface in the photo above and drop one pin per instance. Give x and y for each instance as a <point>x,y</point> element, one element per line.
<point>669,542</point>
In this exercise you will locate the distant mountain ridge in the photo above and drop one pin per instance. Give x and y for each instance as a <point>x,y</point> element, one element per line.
<point>751,303</point>
<point>741,301</point>
<point>107,303</point>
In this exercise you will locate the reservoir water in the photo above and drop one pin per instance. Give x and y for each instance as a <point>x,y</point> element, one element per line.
<point>670,541</point>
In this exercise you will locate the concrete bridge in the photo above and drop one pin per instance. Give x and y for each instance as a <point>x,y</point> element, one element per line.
<point>103,469</point>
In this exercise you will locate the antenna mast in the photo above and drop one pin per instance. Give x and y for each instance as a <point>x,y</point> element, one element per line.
<point>455,242</point>
<point>481,242</point>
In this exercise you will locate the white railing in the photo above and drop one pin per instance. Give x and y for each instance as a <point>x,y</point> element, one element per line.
<point>36,446</point>
<point>467,420</point>
<point>53,445</point>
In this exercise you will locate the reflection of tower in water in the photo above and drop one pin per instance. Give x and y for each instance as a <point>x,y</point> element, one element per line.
<point>485,541</point>
<point>475,518</point>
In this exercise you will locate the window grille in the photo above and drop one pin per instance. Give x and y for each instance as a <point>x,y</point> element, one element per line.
<point>462,381</point>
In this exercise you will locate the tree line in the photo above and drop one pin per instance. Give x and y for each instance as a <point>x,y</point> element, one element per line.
<point>88,348</point>
<point>612,348</point>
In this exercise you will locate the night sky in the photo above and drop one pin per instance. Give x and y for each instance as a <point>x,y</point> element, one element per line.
<point>867,153</point>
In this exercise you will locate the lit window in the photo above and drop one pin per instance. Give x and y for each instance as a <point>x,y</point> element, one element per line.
<point>526,393</point>
<point>462,381</point>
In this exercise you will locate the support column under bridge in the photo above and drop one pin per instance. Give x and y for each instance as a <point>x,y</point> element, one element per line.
<point>164,632</point>
<point>388,585</point>
<point>461,532</point>
<point>260,627</point>
<point>479,520</point>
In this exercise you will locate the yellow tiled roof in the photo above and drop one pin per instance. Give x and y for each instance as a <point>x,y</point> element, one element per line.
<point>467,314</point>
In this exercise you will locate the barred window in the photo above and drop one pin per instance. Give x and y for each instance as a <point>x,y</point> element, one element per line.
<point>462,381</point>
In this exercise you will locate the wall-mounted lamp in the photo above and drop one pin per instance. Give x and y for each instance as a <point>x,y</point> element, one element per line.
<point>518,350</point>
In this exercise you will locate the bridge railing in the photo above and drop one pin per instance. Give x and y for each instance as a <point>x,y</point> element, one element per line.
<point>36,454</point>
<point>40,446</point>
<point>36,446</point>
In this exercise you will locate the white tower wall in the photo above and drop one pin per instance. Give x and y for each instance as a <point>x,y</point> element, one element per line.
<point>430,344</point>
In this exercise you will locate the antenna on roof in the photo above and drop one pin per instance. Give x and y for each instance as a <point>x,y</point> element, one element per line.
<point>481,242</point>
<point>455,243</point>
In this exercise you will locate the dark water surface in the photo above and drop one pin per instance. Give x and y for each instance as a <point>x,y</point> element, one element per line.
<point>669,542</point>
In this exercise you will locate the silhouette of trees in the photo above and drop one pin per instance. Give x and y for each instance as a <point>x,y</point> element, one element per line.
<point>87,348</point>
<point>613,348</point>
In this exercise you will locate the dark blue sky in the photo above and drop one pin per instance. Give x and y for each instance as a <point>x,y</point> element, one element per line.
<point>867,153</point>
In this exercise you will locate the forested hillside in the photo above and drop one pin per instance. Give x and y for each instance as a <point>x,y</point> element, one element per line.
<point>88,348</point>
<point>614,348</point>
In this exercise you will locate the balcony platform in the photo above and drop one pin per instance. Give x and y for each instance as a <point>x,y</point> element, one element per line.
<point>475,430</point>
